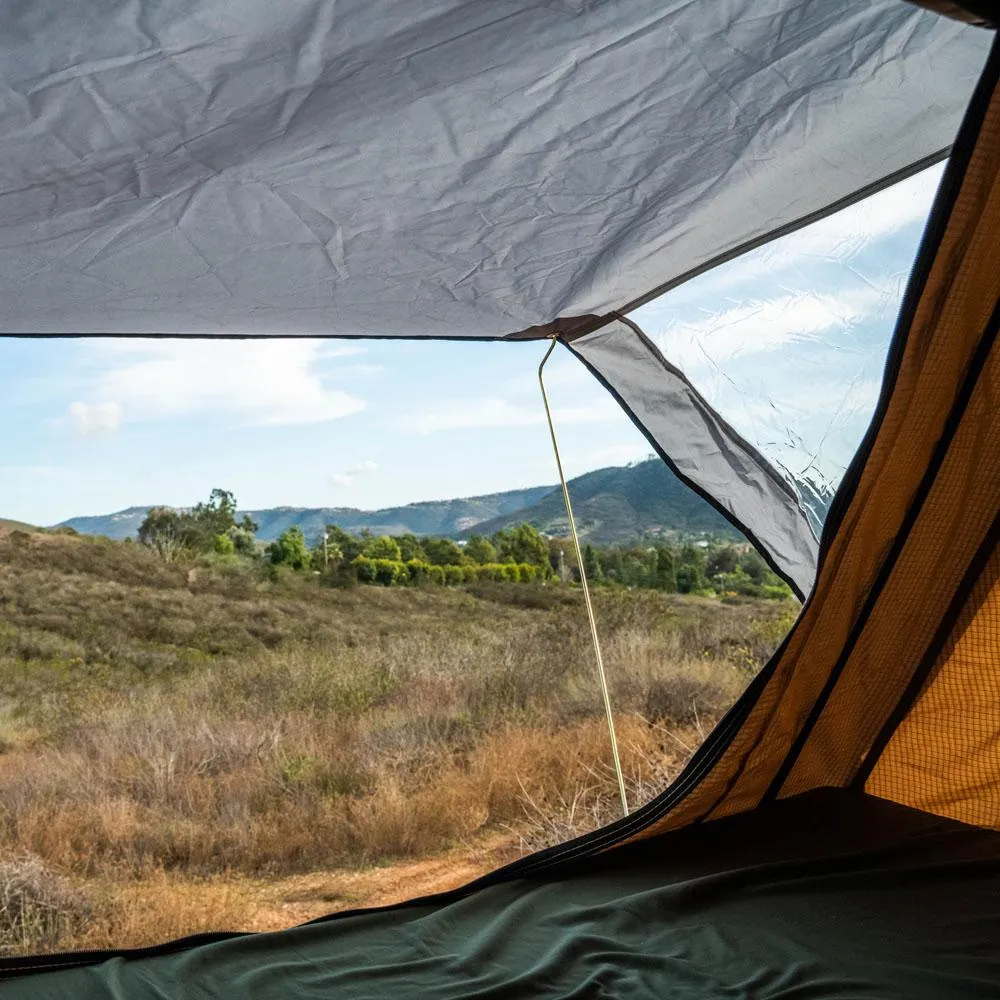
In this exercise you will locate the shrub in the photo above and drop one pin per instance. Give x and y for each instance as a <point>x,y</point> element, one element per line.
<point>38,908</point>
<point>435,574</point>
<point>383,548</point>
<point>385,572</point>
<point>224,545</point>
<point>689,695</point>
<point>454,575</point>
<point>364,569</point>
<point>417,570</point>
<point>290,549</point>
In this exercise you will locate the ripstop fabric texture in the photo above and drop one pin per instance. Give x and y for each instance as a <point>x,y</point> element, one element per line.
<point>449,168</point>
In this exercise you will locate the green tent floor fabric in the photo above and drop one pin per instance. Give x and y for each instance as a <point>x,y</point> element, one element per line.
<point>832,894</point>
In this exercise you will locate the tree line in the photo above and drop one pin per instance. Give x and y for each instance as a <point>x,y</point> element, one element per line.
<point>519,554</point>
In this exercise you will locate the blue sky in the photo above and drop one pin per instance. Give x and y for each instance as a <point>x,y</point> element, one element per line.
<point>788,342</point>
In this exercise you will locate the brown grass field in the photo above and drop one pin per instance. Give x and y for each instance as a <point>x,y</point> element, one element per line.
<point>185,750</point>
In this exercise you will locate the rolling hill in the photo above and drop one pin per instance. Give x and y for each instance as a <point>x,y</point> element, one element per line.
<point>6,524</point>
<point>436,517</point>
<point>615,504</point>
<point>619,504</point>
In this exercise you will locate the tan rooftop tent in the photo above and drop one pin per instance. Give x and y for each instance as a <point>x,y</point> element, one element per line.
<point>517,170</point>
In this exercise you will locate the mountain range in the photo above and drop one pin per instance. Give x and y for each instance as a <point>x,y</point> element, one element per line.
<point>615,504</point>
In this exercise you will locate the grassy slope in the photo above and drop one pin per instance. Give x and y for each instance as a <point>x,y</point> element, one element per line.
<point>167,725</point>
<point>7,525</point>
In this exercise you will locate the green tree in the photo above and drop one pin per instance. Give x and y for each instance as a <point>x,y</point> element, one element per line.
<point>327,554</point>
<point>724,559</point>
<point>290,549</point>
<point>382,547</point>
<point>691,570</point>
<point>756,568</point>
<point>637,567</point>
<point>522,544</point>
<point>164,531</point>
<point>665,573</point>
<point>442,552</point>
<point>591,564</point>
<point>410,547</point>
<point>480,550</point>
<point>244,538</point>
<point>613,563</point>
<point>172,533</point>
<point>350,545</point>
<point>562,559</point>
<point>216,516</point>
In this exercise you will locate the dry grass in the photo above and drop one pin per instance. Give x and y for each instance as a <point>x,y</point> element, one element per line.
<point>39,908</point>
<point>160,730</point>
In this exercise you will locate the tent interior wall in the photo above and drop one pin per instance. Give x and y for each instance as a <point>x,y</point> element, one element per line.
<point>838,833</point>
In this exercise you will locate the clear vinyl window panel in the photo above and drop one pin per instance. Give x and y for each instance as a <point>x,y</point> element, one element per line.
<point>789,341</point>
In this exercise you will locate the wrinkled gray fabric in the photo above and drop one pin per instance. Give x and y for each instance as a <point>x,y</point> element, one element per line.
<point>449,167</point>
<point>703,448</point>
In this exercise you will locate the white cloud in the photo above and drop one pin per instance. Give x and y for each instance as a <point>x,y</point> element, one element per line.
<point>94,419</point>
<point>351,476</point>
<point>258,383</point>
<point>499,412</point>
<point>767,324</point>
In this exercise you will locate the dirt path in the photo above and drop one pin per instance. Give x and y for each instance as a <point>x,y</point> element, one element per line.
<point>167,906</point>
<point>305,897</point>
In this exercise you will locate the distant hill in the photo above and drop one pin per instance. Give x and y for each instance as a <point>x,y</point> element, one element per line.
<point>619,504</point>
<point>435,517</point>
<point>615,504</point>
<point>122,524</point>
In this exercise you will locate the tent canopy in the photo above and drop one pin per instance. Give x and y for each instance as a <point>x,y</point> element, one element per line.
<point>449,168</point>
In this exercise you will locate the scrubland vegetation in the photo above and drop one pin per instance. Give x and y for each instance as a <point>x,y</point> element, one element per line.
<point>181,723</point>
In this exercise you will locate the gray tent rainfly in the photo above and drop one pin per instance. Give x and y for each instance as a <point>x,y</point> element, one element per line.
<point>454,168</point>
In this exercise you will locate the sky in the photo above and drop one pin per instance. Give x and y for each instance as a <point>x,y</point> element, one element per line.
<point>788,342</point>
